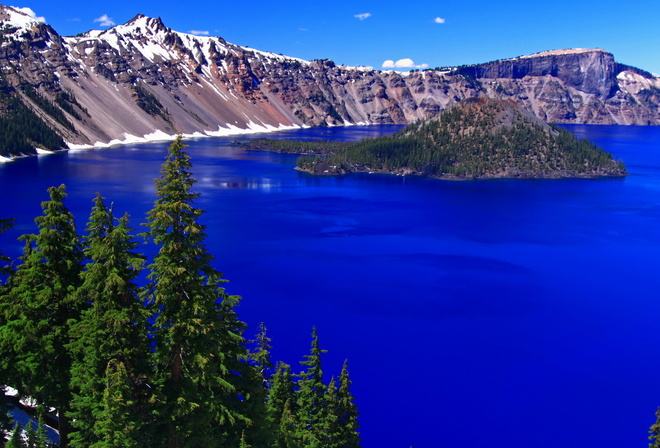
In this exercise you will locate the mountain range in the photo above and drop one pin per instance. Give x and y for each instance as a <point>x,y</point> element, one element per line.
<point>144,81</point>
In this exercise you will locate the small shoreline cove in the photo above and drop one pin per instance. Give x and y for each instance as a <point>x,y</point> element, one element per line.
<point>522,304</point>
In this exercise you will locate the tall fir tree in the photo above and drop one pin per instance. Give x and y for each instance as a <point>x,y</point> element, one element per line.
<point>248,391</point>
<point>112,331</point>
<point>195,384</point>
<point>654,432</point>
<point>38,307</point>
<point>16,438</point>
<point>5,268</point>
<point>118,426</point>
<point>261,355</point>
<point>6,421</point>
<point>280,406</point>
<point>347,412</point>
<point>310,398</point>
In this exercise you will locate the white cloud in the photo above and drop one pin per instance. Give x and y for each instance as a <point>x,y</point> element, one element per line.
<point>199,32</point>
<point>29,12</point>
<point>439,20</point>
<point>104,20</point>
<point>362,16</point>
<point>403,63</point>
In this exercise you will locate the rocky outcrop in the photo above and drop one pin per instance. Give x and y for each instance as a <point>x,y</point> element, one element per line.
<point>142,78</point>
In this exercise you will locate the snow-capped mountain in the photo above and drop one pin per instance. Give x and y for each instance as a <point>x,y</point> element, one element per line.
<point>144,79</point>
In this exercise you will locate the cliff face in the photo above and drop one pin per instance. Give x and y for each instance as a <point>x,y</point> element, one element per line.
<point>143,78</point>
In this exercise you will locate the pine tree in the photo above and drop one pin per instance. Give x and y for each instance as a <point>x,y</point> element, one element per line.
<point>287,434</point>
<point>38,307</point>
<point>195,384</point>
<point>347,412</point>
<point>261,356</point>
<point>310,398</point>
<point>244,443</point>
<point>112,330</point>
<point>118,425</point>
<point>249,391</point>
<point>36,438</point>
<point>6,421</point>
<point>16,438</point>
<point>654,432</point>
<point>331,432</point>
<point>280,406</point>
<point>5,270</point>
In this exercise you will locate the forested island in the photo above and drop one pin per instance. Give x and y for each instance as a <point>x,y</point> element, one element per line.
<point>476,139</point>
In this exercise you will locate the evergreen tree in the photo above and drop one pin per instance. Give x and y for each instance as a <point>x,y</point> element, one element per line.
<point>112,330</point>
<point>287,434</point>
<point>347,413</point>
<point>6,421</point>
<point>16,438</point>
<point>331,433</point>
<point>654,432</point>
<point>193,378</point>
<point>36,438</point>
<point>280,406</point>
<point>244,443</point>
<point>248,395</point>
<point>5,270</point>
<point>261,356</point>
<point>118,425</point>
<point>38,307</point>
<point>310,398</point>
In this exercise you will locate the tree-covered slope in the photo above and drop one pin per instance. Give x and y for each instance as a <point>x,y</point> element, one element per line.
<point>478,138</point>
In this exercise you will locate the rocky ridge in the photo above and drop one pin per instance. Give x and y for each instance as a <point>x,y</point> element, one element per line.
<point>143,79</point>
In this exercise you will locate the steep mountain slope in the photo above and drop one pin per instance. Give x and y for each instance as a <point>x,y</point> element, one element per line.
<point>143,79</point>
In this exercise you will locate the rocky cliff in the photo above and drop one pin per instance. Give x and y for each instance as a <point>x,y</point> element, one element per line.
<point>144,79</point>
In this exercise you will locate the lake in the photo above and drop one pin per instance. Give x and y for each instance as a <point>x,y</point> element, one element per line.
<point>511,313</point>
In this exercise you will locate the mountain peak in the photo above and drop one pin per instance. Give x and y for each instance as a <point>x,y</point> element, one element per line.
<point>19,17</point>
<point>142,24</point>
<point>142,20</point>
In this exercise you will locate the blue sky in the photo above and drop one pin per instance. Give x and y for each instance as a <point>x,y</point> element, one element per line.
<point>368,33</point>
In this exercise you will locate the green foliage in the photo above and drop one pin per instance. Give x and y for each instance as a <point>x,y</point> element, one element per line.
<point>21,129</point>
<point>294,146</point>
<point>346,413</point>
<point>67,101</point>
<point>280,406</point>
<point>193,345</point>
<point>16,438</point>
<point>5,267</point>
<point>475,140</point>
<point>654,432</point>
<point>75,338</point>
<point>112,331</point>
<point>310,398</point>
<point>149,103</point>
<point>118,426</point>
<point>36,438</point>
<point>48,107</point>
<point>38,307</point>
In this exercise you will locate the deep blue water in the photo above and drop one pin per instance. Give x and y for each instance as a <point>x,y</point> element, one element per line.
<point>508,313</point>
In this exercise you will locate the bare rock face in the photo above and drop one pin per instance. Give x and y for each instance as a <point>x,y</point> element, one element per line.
<point>142,77</point>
